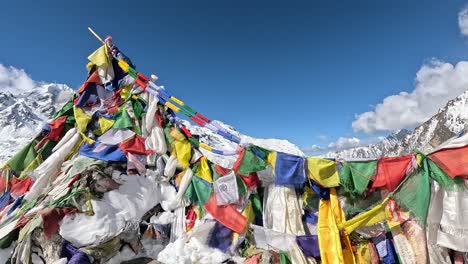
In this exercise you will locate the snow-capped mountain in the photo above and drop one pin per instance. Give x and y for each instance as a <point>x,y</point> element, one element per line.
<point>450,120</point>
<point>24,112</point>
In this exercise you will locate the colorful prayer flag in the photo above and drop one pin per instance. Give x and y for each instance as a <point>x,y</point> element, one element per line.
<point>225,189</point>
<point>226,215</point>
<point>199,191</point>
<point>251,159</point>
<point>102,151</point>
<point>453,161</point>
<point>323,171</point>
<point>391,171</point>
<point>355,176</point>
<point>289,170</point>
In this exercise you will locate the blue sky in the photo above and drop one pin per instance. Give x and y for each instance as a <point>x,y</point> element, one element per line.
<point>298,70</point>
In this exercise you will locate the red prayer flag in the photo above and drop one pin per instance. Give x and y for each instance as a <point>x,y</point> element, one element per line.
<point>202,117</point>
<point>186,131</point>
<point>391,171</point>
<point>239,160</point>
<point>56,129</point>
<point>226,215</point>
<point>3,184</point>
<point>74,179</point>
<point>21,187</point>
<point>160,119</point>
<point>135,145</point>
<point>190,219</point>
<point>51,218</point>
<point>198,121</point>
<point>94,78</point>
<point>221,170</point>
<point>251,180</point>
<point>143,77</point>
<point>141,83</point>
<point>453,161</point>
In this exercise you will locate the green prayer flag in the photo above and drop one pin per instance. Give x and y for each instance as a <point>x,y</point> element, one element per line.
<point>138,109</point>
<point>414,193</point>
<point>167,130</point>
<point>241,188</point>
<point>256,204</point>
<point>446,182</point>
<point>253,160</point>
<point>199,191</point>
<point>122,119</point>
<point>284,258</point>
<point>46,150</point>
<point>194,142</point>
<point>215,175</point>
<point>355,176</point>
<point>67,110</point>
<point>23,158</point>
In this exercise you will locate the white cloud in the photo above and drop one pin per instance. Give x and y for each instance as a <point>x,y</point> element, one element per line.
<point>314,149</point>
<point>436,83</point>
<point>463,21</point>
<point>345,143</point>
<point>15,80</point>
<point>342,143</point>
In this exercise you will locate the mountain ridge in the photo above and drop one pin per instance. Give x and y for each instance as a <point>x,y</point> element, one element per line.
<point>449,121</point>
<point>24,112</point>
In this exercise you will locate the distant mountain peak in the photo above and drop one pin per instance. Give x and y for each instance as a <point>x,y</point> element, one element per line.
<point>399,134</point>
<point>24,112</point>
<point>450,120</point>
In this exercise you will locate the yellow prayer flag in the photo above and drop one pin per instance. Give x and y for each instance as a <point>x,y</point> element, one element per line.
<point>124,65</point>
<point>323,171</point>
<point>179,176</point>
<point>249,212</point>
<point>271,159</point>
<point>105,124</point>
<point>176,134</point>
<point>330,216</point>
<point>204,146</point>
<point>419,159</point>
<point>99,57</point>
<point>183,152</point>
<point>204,170</point>
<point>82,119</point>
<point>363,253</point>
<point>371,217</point>
<point>172,106</point>
<point>175,99</point>
<point>125,91</point>
<point>86,139</point>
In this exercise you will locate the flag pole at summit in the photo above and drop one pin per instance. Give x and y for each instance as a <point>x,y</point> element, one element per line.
<point>96,35</point>
<point>165,98</point>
